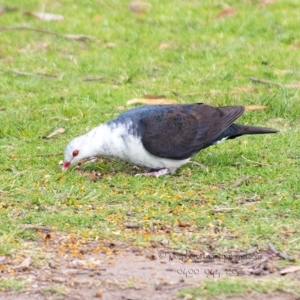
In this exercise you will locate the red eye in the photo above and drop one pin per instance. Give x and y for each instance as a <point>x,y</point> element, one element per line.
<point>75,153</point>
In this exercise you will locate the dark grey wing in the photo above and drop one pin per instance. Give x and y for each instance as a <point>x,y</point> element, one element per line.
<point>180,131</point>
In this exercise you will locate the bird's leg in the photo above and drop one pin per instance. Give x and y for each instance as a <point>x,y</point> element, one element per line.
<point>155,172</point>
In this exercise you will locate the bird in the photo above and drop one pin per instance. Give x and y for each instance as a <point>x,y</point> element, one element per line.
<point>160,137</point>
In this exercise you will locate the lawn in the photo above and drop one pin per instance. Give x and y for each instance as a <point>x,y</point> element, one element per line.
<point>246,195</point>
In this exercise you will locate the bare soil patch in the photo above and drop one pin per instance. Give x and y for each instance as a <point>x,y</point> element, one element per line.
<point>64,267</point>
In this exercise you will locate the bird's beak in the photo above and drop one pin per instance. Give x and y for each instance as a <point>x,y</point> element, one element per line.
<point>66,165</point>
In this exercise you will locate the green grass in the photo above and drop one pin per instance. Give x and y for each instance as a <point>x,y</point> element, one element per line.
<point>205,54</point>
<point>231,287</point>
<point>12,285</point>
<point>55,290</point>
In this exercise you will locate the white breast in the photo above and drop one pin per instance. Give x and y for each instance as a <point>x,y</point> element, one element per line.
<point>116,141</point>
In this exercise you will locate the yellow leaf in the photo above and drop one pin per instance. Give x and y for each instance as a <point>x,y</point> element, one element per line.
<point>254,107</point>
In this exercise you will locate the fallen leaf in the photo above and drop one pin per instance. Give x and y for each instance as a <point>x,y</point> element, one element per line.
<point>164,46</point>
<point>150,96</point>
<point>226,13</point>
<point>120,107</point>
<point>77,37</point>
<point>183,224</point>
<point>291,269</point>
<point>292,86</point>
<point>110,45</point>
<point>93,78</point>
<point>55,132</point>
<point>78,263</point>
<point>59,279</point>
<point>93,175</point>
<point>150,101</point>
<point>254,107</point>
<point>98,17</point>
<point>295,45</point>
<point>240,181</point>
<point>139,7</point>
<point>45,16</point>
<point>266,2</point>
<point>99,294</point>
<point>132,225</point>
<point>36,227</point>
<point>246,89</point>
<point>24,264</point>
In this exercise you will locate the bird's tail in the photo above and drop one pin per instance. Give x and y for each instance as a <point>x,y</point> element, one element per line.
<point>236,130</point>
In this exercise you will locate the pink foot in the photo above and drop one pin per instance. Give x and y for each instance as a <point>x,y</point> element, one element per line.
<point>155,173</point>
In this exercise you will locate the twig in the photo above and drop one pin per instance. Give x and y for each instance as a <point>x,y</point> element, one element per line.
<point>272,249</point>
<point>265,81</point>
<point>198,164</point>
<point>294,240</point>
<point>259,263</point>
<point>256,162</point>
<point>280,254</point>
<point>240,181</point>
<point>86,161</point>
<point>16,72</point>
<point>212,92</point>
<point>36,227</point>
<point>224,209</point>
<point>247,252</point>
<point>93,79</point>
<point>132,225</point>
<point>48,154</point>
<point>74,37</point>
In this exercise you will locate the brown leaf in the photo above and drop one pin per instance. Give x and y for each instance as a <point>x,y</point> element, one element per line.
<point>139,7</point>
<point>24,264</point>
<point>254,107</point>
<point>226,13</point>
<point>290,269</point>
<point>45,16</point>
<point>94,176</point>
<point>55,132</point>
<point>151,101</point>
<point>99,294</point>
<point>183,224</point>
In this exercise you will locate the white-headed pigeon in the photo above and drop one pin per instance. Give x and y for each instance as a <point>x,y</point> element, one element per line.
<point>160,137</point>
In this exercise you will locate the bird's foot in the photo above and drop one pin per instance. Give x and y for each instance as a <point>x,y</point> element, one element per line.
<point>156,173</point>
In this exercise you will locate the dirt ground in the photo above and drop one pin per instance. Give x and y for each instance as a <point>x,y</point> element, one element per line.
<point>64,267</point>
